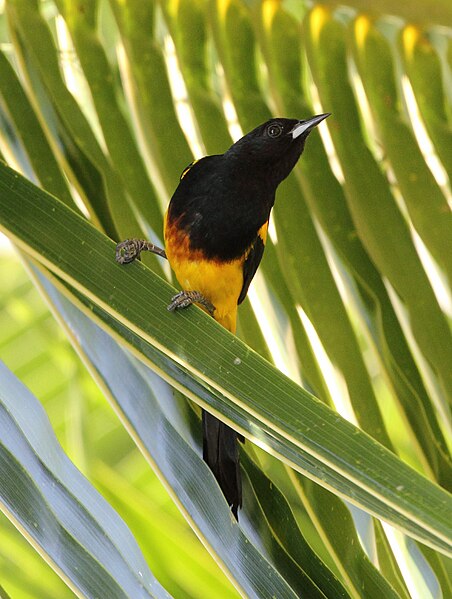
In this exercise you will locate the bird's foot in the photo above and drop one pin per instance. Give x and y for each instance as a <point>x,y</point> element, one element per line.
<point>130,249</point>
<point>186,298</point>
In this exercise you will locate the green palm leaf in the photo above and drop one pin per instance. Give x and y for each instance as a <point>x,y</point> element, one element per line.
<point>103,103</point>
<point>80,255</point>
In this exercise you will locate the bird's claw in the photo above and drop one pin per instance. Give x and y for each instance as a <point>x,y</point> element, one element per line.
<point>127,251</point>
<point>130,249</point>
<point>183,299</point>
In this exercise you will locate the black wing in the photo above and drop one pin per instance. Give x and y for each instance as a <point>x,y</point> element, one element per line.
<point>252,261</point>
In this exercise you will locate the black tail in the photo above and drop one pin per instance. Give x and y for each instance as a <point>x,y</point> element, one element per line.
<point>221,452</point>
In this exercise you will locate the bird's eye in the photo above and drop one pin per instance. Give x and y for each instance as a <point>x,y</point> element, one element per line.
<point>274,130</point>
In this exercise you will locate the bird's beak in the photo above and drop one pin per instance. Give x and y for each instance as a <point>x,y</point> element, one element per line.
<point>308,125</point>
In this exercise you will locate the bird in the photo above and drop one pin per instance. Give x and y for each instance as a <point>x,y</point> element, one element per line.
<point>215,230</point>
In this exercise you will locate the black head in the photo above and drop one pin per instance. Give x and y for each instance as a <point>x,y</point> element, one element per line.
<point>273,148</point>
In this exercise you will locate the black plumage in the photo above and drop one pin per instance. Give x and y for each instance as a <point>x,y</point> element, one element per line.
<point>215,232</point>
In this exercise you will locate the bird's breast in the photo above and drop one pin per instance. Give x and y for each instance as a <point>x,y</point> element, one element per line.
<point>218,280</point>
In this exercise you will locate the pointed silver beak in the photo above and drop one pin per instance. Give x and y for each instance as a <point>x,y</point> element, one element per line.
<point>306,126</point>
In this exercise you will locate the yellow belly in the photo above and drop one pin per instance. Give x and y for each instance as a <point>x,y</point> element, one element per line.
<point>219,282</point>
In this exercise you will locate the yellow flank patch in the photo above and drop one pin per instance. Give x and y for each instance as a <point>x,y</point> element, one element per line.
<point>187,168</point>
<point>263,232</point>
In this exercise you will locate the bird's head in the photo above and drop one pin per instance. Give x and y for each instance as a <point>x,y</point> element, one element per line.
<point>273,148</point>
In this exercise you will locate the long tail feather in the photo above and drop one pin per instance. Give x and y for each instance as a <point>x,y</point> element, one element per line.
<point>222,454</point>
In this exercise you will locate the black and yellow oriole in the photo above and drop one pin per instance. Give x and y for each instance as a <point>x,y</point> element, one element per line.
<point>215,231</point>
